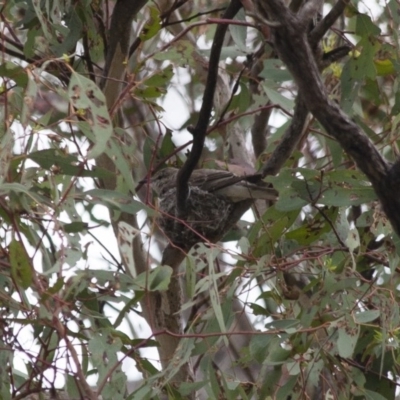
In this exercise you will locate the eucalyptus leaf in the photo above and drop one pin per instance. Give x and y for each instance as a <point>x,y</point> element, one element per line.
<point>366,316</point>
<point>86,95</point>
<point>348,337</point>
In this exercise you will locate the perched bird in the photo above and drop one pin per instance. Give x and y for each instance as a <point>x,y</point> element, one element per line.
<point>216,201</point>
<point>220,183</point>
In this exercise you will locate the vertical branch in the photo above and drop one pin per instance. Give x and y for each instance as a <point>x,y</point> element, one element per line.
<point>200,130</point>
<point>156,305</point>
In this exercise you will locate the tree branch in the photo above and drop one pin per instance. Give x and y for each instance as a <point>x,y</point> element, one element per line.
<point>160,308</point>
<point>118,42</point>
<point>200,130</point>
<point>290,41</point>
<point>289,141</point>
<point>323,26</point>
<point>296,129</point>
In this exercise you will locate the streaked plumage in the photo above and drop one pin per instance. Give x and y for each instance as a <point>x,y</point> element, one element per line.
<point>217,199</point>
<point>219,182</point>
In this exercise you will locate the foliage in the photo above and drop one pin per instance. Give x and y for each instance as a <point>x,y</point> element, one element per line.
<point>315,275</point>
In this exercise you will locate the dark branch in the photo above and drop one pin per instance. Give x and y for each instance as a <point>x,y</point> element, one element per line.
<point>200,130</point>
<point>193,16</point>
<point>290,41</point>
<point>289,141</point>
<point>323,26</point>
<point>86,57</point>
<point>166,14</point>
<point>13,53</point>
<point>295,131</point>
<point>334,56</point>
<point>259,131</point>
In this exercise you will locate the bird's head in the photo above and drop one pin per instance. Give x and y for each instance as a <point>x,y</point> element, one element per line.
<point>162,180</point>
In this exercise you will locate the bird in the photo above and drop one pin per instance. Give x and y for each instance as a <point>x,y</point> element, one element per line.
<point>216,201</point>
<point>219,182</point>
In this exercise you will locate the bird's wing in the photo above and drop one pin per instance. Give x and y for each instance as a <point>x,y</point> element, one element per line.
<point>211,180</point>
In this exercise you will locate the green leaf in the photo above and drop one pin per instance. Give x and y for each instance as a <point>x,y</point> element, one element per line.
<point>259,310</point>
<point>239,33</point>
<point>148,152</point>
<point>6,358</point>
<point>342,196</point>
<point>285,324</point>
<point>367,316</point>
<point>156,84</point>
<point>150,92</point>
<point>6,153</point>
<point>72,387</point>
<point>116,201</point>
<point>153,25</point>
<point>289,200</point>
<point>394,7</point>
<point>43,19</point>
<point>350,87</point>
<point>160,78</point>
<point>188,388</point>
<point>347,338</point>
<point>157,279</point>
<point>143,393</point>
<point>21,269</point>
<point>313,229</point>
<point>288,390</point>
<point>269,383</point>
<point>353,240</point>
<point>384,67</point>
<point>96,48</point>
<point>123,158</point>
<point>258,347</point>
<point>363,65</point>
<point>14,72</point>
<point>181,358</point>
<point>75,227</point>
<point>84,94</point>
<point>160,278</point>
<point>167,145</point>
<point>314,370</point>
<point>214,292</point>
<point>277,98</point>
<point>180,53</point>
<point>214,383</point>
<point>369,395</point>
<point>71,35</point>
<point>227,52</point>
<point>365,27</point>
<point>275,70</point>
<point>67,164</point>
<point>34,42</point>
<point>270,229</point>
<point>29,99</point>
